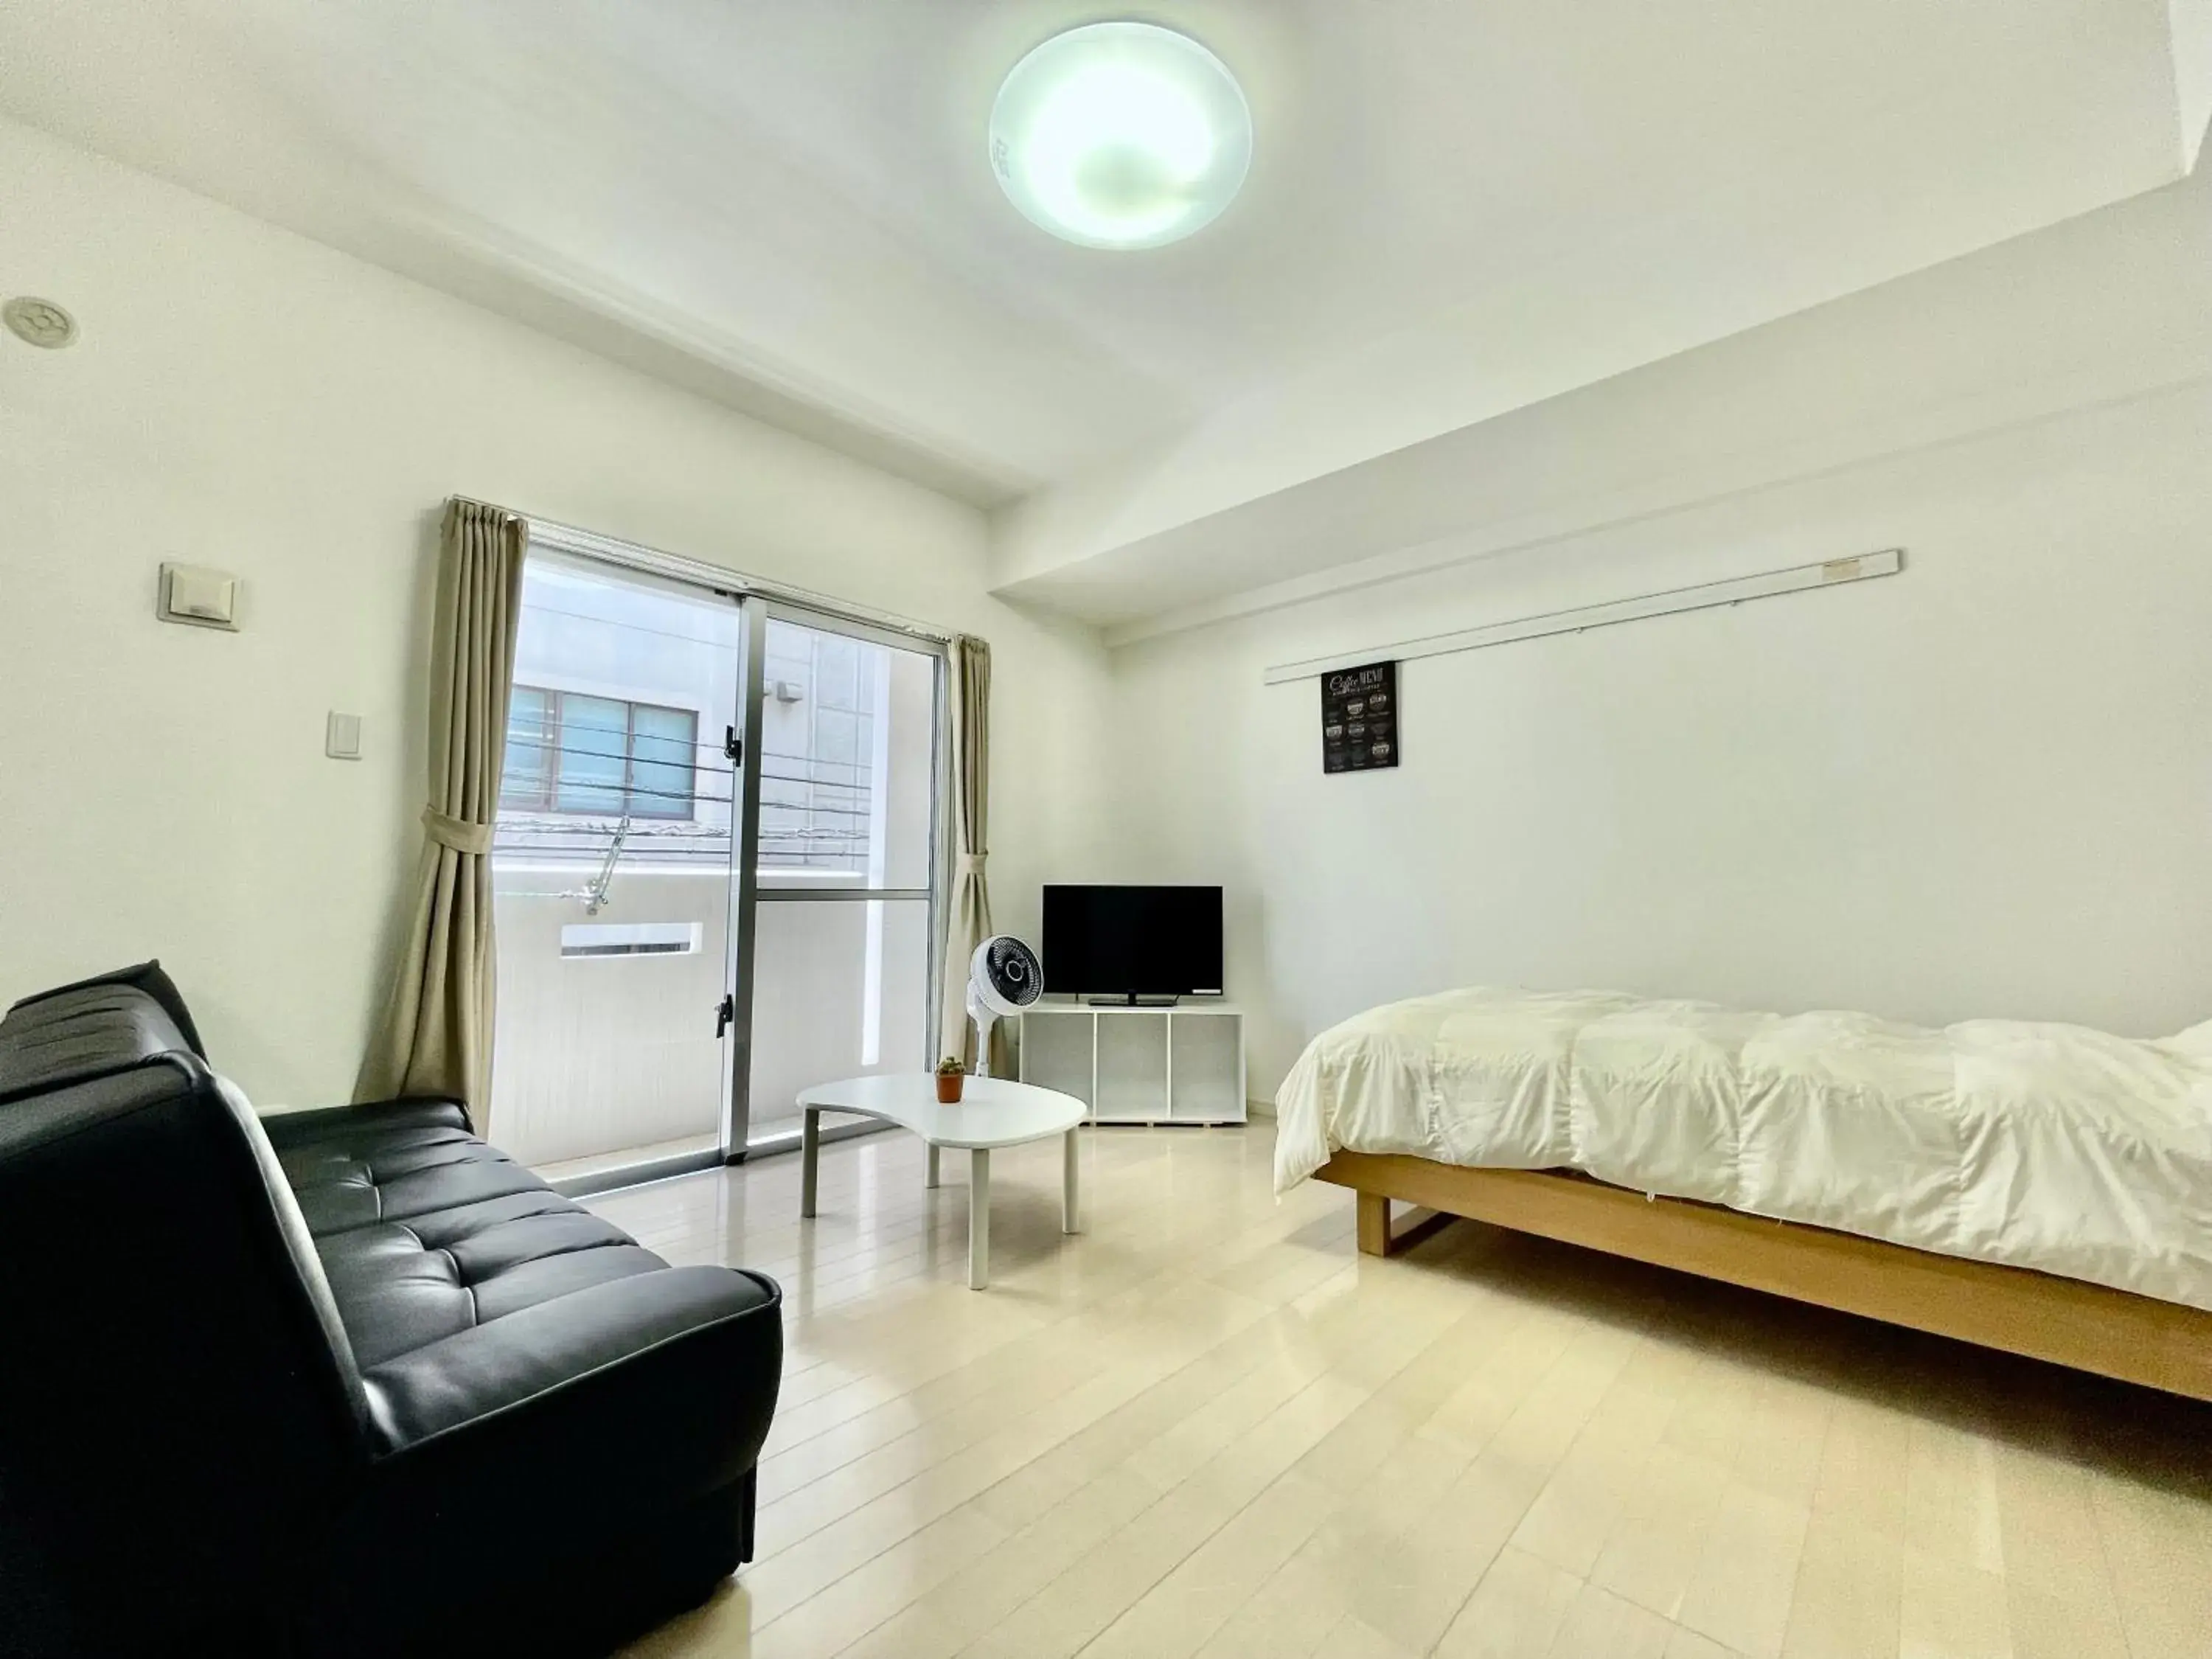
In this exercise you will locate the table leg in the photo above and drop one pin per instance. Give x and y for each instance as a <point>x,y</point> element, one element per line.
<point>979,1219</point>
<point>1071,1200</point>
<point>810,1158</point>
<point>932,1164</point>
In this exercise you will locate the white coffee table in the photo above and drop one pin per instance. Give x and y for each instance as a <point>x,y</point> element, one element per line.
<point>992,1112</point>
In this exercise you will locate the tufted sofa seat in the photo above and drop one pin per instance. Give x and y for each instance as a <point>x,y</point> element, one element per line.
<point>425,1232</point>
<point>345,1381</point>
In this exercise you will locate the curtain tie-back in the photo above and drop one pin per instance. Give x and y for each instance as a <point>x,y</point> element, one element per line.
<point>971,864</point>
<point>459,833</point>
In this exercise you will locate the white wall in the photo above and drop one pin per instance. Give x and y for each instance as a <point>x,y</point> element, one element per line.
<point>246,399</point>
<point>1981,787</point>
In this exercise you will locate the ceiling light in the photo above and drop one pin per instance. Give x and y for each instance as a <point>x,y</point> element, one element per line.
<point>1121,134</point>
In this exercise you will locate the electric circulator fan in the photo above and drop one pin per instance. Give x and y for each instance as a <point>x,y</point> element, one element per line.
<point>1004,977</point>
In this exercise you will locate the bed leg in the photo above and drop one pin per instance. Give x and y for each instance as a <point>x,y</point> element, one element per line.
<point>1375,1235</point>
<point>1374,1223</point>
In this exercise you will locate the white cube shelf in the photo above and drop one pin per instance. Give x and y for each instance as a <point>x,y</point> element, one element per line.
<point>1180,1064</point>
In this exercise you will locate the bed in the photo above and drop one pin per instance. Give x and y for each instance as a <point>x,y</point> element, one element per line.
<point>2038,1187</point>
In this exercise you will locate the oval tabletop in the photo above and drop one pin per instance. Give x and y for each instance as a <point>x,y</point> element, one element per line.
<point>990,1112</point>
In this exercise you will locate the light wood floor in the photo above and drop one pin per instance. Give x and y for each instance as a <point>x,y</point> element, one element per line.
<point>1207,1427</point>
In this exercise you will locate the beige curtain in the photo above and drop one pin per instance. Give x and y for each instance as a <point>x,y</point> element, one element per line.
<point>968,921</point>
<point>434,1036</point>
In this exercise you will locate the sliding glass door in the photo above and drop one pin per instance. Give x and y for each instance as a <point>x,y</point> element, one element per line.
<point>844,926</point>
<point>611,869</point>
<point>715,871</point>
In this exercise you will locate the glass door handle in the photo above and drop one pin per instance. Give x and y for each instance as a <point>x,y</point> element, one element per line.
<point>724,1011</point>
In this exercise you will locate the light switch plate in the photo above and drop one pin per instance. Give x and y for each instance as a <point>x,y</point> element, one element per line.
<point>341,736</point>
<point>195,594</point>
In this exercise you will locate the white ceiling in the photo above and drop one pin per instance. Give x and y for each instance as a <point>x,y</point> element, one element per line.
<point>1455,209</point>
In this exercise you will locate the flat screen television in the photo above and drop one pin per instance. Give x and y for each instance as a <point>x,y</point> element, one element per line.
<point>1132,941</point>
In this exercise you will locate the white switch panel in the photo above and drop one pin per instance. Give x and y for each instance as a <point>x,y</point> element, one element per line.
<point>341,736</point>
<point>194,593</point>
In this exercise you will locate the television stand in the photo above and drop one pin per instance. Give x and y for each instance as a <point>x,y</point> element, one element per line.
<point>1132,1000</point>
<point>1132,1063</point>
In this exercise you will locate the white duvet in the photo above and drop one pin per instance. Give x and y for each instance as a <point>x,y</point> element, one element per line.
<point>2045,1146</point>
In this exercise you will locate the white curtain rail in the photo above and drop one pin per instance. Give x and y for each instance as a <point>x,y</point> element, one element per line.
<point>1704,597</point>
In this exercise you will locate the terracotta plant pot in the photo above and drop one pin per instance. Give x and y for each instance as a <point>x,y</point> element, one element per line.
<point>948,1087</point>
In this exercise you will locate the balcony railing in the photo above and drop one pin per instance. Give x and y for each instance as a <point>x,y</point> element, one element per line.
<point>815,815</point>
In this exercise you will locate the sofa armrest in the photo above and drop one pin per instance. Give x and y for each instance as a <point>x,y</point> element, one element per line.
<point>286,1130</point>
<point>520,1452</point>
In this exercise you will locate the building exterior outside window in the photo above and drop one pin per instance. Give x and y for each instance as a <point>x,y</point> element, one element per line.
<point>569,753</point>
<point>821,718</point>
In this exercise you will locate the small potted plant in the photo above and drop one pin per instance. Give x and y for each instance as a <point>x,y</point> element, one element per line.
<point>950,1077</point>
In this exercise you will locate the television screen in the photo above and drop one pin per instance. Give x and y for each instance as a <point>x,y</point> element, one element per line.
<point>1132,941</point>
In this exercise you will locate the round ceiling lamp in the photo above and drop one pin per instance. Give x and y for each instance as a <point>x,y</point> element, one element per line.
<point>1120,135</point>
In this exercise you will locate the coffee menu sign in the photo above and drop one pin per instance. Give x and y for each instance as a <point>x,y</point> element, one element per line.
<point>1359,717</point>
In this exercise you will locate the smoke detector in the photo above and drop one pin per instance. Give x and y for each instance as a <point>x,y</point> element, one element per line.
<point>39,322</point>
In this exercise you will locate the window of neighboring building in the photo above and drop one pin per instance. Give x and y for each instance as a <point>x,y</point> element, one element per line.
<point>598,756</point>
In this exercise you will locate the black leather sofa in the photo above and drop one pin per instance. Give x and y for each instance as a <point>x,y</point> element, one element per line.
<point>337,1383</point>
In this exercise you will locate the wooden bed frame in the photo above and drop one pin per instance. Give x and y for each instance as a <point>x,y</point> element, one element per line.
<point>2136,1339</point>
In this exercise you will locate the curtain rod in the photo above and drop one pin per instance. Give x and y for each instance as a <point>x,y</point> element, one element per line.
<point>1704,597</point>
<point>574,538</point>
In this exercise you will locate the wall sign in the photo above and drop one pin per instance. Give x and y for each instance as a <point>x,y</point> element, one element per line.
<point>1359,717</point>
